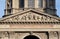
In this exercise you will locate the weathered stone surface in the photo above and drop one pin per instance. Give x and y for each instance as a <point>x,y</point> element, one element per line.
<point>30,16</point>
<point>25,21</point>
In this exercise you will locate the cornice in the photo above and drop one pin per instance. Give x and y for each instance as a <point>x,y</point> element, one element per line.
<point>29,22</point>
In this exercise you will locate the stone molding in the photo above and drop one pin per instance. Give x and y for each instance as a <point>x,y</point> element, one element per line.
<point>17,35</point>
<point>29,22</point>
<point>30,17</point>
<point>22,35</point>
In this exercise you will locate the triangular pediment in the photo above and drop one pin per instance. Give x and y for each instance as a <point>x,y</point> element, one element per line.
<point>30,16</point>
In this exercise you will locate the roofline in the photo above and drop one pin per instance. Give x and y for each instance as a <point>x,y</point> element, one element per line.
<point>30,10</point>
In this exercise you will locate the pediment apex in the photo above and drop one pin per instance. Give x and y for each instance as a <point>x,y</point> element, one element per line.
<point>37,16</point>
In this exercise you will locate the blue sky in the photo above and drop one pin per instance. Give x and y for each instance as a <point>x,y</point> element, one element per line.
<point>2,7</point>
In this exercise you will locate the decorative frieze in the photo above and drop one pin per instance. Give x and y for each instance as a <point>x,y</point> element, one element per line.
<point>22,35</point>
<point>30,17</point>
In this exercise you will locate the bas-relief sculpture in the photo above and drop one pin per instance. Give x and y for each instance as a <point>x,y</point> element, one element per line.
<point>19,35</point>
<point>41,22</point>
<point>31,17</point>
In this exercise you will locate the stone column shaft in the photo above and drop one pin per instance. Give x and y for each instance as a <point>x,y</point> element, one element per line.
<point>25,3</point>
<point>36,3</point>
<point>5,8</point>
<point>15,6</point>
<point>44,3</point>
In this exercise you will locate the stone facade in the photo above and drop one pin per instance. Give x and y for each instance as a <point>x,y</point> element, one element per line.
<point>12,6</point>
<point>30,23</point>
